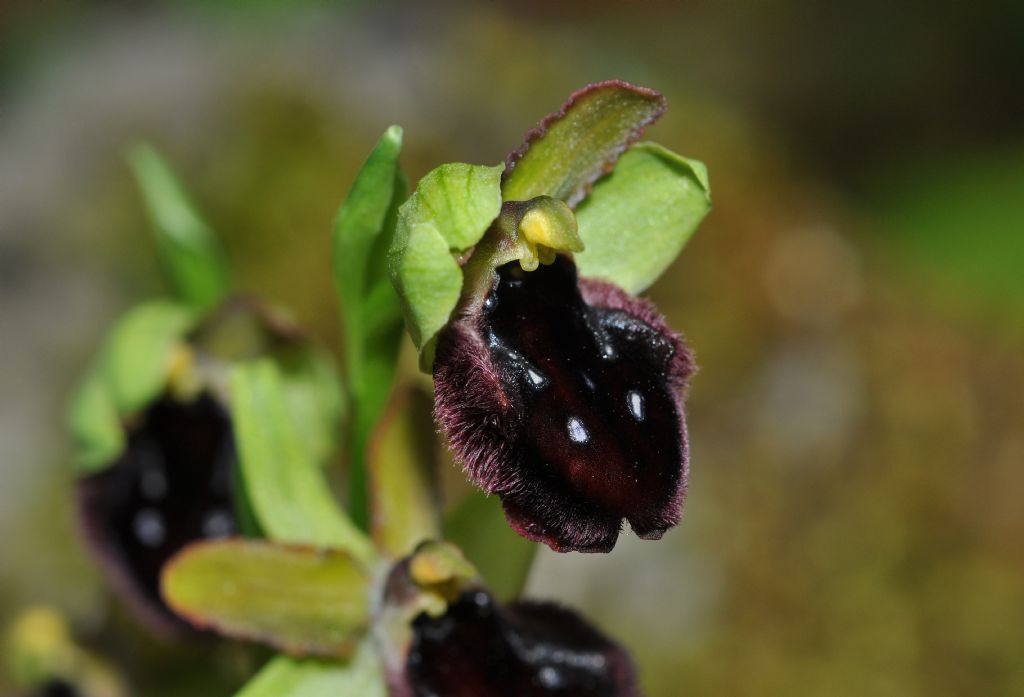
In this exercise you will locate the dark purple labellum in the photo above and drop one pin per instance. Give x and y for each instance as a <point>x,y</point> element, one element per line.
<point>171,486</point>
<point>478,649</point>
<point>565,398</point>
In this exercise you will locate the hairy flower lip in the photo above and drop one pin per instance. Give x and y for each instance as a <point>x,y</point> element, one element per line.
<point>484,423</point>
<point>526,649</point>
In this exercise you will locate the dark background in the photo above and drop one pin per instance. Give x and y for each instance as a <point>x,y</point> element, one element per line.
<point>856,297</point>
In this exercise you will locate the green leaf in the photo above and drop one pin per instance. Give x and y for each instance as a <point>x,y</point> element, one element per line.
<point>478,527</point>
<point>188,247</point>
<point>299,600</point>
<point>287,489</point>
<point>370,309</point>
<point>638,219</point>
<point>358,229</point>
<point>452,208</point>
<point>402,463</point>
<point>140,350</point>
<point>573,147</point>
<point>94,424</point>
<point>362,676</point>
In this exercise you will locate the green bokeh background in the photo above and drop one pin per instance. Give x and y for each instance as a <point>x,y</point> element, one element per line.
<point>855,298</point>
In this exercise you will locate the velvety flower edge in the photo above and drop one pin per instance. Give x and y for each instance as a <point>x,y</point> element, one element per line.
<point>473,411</point>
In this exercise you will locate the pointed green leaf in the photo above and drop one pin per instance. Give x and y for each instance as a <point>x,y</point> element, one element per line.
<point>402,464</point>
<point>300,600</point>
<point>140,350</point>
<point>371,312</point>
<point>288,491</point>
<point>478,527</point>
<point>359,229</point>
<point>571,148</point>
<point>189,249</point>
<point>362,676</point>
<point>451,210</point>
<point>94,424</point>
<point>638,218</point>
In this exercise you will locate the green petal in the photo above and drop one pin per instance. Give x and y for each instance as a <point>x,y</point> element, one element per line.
<point>451,210</point>
<point>140,350</point>
<point>428,280</point>
<point>362,676</point>
<point>573,147</point>
<point>287,489</point>
<point>460,200</point>
<point>478,527</point>
<point>94,424</point>
<point>370,309</point>
<point>638,218</point>
<point>402,464</point>
<point>300,600</point>
<point>188,247</point>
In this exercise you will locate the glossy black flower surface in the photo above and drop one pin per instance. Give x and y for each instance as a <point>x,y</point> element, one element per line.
<point>172,485</point>
<point>564,397</point>
<point>480,649</point>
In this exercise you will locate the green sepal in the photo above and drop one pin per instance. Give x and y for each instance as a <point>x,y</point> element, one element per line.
<point>638,219</point>
<point>287,489</point>
<point>360,676</point>
<point>576,145</point>
<point>371,312</point>
<point>450,211</point>
<point>140,349</point>
<point>189,249</point>
<point>300,600</point>
<point>477,525</point>
<point>92,419</point>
